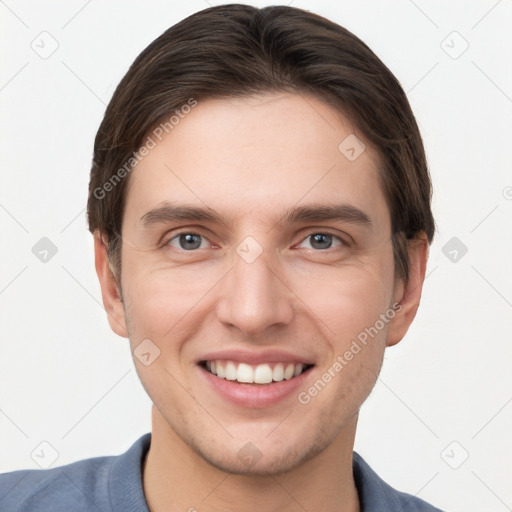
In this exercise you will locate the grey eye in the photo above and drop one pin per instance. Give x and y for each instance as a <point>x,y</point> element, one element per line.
<point>321,241</point>
<point>186,241</point>
<point>190,241</point>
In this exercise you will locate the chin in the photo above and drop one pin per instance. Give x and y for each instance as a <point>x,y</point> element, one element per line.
<point>250,461</point>
<point>261,456</point>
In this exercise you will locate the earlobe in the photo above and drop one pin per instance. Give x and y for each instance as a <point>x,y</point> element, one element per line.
<point>408,294</point>
<point>109,291</point>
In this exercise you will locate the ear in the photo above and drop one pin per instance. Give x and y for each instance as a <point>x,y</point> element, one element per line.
<point>112,300</point>
<point>408,294</point>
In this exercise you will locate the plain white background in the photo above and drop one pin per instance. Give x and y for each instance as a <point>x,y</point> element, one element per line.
<point>438,423</point>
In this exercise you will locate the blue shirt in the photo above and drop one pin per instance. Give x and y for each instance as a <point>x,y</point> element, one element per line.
<point>114,484</point>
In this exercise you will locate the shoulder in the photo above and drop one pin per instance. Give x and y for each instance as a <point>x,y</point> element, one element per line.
<point>86,485</point>
<point>74,486</point>
<point>377,496</point>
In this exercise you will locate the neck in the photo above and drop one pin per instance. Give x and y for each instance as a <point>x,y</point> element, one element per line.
<point>175,478</point>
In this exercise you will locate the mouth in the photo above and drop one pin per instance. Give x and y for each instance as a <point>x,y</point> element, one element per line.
<point>256,374</point>
<point>250,379</point>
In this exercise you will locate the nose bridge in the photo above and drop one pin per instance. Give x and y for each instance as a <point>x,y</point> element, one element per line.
<point>253,295</point>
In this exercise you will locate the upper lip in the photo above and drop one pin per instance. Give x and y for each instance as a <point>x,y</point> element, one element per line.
<point>260,357</point>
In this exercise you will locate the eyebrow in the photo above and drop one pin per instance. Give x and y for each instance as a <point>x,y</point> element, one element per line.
<point>325,212</point>
<point>169,213</point>
<point>294,215</point>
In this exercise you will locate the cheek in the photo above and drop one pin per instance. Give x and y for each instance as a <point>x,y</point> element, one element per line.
<point>162,302</point>
<point>347,300</point>
<point>358,314</point>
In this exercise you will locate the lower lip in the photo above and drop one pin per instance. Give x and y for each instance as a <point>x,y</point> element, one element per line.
<point>254,395</point>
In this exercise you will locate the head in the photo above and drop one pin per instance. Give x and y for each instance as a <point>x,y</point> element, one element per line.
<point>259,189</point>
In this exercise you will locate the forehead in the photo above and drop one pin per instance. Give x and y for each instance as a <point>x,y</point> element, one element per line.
<point>256,157</point>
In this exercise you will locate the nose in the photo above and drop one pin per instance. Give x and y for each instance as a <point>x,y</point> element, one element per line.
<point>254,298</point>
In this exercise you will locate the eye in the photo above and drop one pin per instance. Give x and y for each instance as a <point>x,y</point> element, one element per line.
<point>323,241</point>
<point>187,241</point>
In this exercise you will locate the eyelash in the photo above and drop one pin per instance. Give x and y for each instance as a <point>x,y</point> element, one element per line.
<point>325,233</point>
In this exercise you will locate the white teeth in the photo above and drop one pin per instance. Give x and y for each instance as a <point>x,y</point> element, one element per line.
<point>230,371</point>
<point>221,372</point>
<point>288,373</point>
<point>278,373</point>
<point>263,374</point>
<point>245,373</point>
<point>259,374</point>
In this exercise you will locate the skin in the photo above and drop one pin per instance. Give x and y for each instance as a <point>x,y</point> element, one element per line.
<point>250,160</point>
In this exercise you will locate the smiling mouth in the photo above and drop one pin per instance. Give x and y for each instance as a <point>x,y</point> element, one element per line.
<point>244,373</point>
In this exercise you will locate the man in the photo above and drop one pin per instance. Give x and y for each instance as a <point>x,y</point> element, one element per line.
<point>260,205</point>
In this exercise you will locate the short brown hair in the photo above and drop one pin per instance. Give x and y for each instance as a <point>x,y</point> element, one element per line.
<point>236,50</point>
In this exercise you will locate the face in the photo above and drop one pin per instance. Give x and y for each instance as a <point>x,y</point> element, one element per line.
<point>258,274</point>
